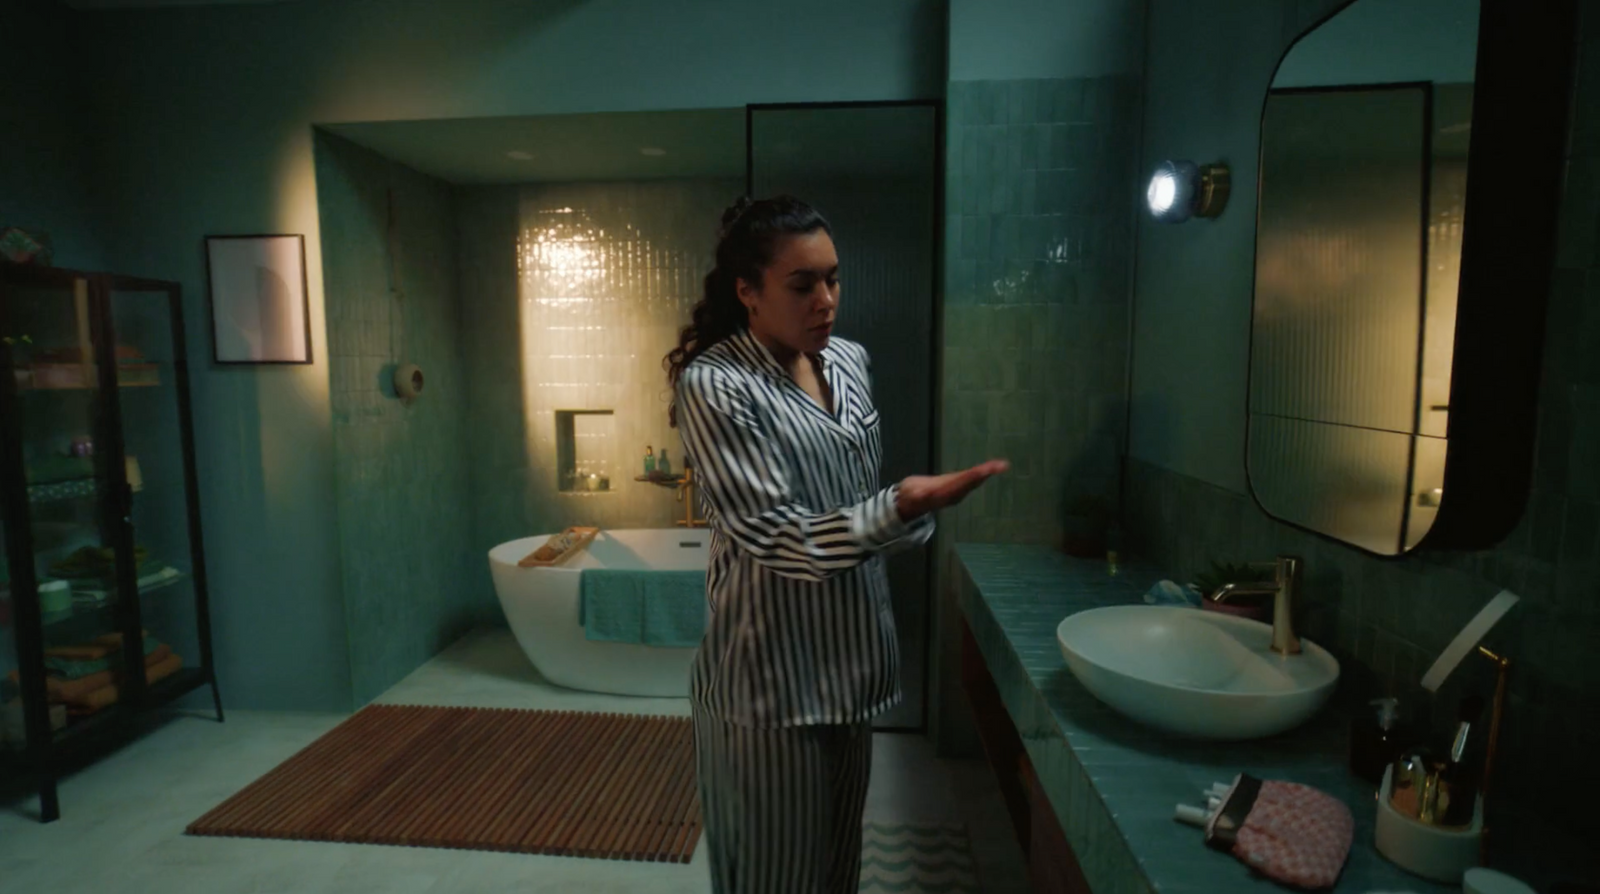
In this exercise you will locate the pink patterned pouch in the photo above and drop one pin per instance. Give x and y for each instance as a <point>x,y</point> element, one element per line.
<point>1289,832</point>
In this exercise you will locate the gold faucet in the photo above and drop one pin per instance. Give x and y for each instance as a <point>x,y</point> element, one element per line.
<point>1285,572</point>
<point>686,496</point>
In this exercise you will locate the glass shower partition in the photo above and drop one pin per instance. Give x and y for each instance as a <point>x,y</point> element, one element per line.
<point>873,170</point>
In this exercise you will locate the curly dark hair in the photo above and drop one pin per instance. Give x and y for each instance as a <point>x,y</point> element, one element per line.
<point>750,231</point>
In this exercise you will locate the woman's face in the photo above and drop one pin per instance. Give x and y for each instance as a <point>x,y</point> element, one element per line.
<point>795,303</point>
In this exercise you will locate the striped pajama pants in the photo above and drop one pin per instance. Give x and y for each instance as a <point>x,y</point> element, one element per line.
<point>782,807</point>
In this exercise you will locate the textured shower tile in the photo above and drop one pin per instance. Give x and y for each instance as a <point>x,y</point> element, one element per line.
<point>627,259</point>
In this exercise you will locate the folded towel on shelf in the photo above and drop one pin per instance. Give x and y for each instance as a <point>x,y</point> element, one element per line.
<point>64,689</point>
<point>653,608</point>
<point>106,696</point>
<point>99,647</point>
<point>110,656</point>
<point>84,652</point>
<point>68,689</point>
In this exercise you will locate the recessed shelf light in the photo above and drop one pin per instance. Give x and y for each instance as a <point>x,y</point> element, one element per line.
<point>520,155</point>
<point>652,151</point>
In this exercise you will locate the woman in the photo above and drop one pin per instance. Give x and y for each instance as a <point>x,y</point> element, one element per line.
<point>777,418</point>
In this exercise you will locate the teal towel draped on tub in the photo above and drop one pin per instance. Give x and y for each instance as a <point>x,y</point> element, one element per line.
<point>652,608</point>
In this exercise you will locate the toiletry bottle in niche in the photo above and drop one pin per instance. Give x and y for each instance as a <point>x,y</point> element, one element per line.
<point>663,464</point>
<point>1114,549</point>
<point>649,460</point>
<point>1377,739</point>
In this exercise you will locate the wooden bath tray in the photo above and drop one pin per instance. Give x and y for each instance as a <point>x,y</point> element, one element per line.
<point>578,539</point>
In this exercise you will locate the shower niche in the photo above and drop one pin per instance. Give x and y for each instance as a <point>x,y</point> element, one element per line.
<point>585,442</point>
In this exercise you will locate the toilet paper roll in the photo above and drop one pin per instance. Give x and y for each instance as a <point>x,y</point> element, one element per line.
<point>408,381</point>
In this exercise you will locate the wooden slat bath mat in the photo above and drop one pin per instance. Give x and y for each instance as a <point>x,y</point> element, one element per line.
<point>585,785</point>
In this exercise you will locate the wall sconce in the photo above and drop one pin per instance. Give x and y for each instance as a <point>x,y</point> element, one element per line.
<point>1180,190</point>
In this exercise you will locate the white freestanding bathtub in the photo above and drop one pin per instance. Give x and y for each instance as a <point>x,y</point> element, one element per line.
<point>541,605</point>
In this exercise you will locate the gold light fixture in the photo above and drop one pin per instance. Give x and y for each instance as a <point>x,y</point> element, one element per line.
<point>1179,190</point>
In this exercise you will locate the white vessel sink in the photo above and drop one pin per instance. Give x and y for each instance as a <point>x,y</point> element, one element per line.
<point>1195,673</point>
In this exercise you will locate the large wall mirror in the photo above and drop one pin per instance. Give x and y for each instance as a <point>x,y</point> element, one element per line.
<point>1388,271</point>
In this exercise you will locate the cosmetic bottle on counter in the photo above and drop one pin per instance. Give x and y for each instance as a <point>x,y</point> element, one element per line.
<point>1377,739</point>
<point>663,464</point>
<point>649,459</point>
<point>1114,549</point>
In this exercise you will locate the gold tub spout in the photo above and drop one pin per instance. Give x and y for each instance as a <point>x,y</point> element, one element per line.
<point>686,496</point>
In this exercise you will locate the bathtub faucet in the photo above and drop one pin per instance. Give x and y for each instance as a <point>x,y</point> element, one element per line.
<point>686,496</point>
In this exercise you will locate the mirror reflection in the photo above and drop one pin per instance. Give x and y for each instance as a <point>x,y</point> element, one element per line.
<point>1364,145</point>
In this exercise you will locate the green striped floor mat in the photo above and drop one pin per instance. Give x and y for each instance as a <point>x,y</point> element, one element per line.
<point>916,858</point>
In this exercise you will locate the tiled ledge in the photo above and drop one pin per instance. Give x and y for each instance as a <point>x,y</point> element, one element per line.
<point>1113,783</point>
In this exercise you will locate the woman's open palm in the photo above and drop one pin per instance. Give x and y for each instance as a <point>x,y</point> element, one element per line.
<point>922,494</point>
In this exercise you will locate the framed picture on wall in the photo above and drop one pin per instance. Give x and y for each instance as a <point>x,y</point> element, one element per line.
<point>260,309</point>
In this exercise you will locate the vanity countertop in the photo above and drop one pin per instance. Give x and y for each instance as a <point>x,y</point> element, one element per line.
<point>1114,783</point>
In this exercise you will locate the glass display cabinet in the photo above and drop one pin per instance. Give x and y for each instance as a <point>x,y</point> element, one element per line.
<point>103,604</point>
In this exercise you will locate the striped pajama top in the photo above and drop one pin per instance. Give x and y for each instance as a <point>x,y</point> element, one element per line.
<point>802,630</point>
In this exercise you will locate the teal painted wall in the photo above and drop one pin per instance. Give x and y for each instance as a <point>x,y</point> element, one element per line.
<point>1027,39</point>
<point>404,508</point>
<point>1206,71</point>
<point>1387,619</point>
<point>1388,42</point>
<point>1040,187</point>
<point>45,180</point>
<point>205,117</point>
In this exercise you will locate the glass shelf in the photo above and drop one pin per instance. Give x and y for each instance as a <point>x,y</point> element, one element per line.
<point>55,491</point>
<point>71,489</point>
<point>77,377</point>
<point>182,681</point>
<point>93,614</point>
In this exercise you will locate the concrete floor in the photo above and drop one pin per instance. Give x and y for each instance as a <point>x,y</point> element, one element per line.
<point>123,817</point>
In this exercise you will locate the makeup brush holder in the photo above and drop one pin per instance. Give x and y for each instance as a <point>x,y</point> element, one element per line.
<point>1443,854</point>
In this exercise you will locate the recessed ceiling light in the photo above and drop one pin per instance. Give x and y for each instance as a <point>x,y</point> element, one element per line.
<point>520,155</point>
<point>652,151</point>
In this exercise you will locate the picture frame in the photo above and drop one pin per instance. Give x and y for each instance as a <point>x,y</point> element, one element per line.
<point>260,303</point>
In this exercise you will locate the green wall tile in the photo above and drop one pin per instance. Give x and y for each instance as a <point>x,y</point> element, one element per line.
<point>405,549</point>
